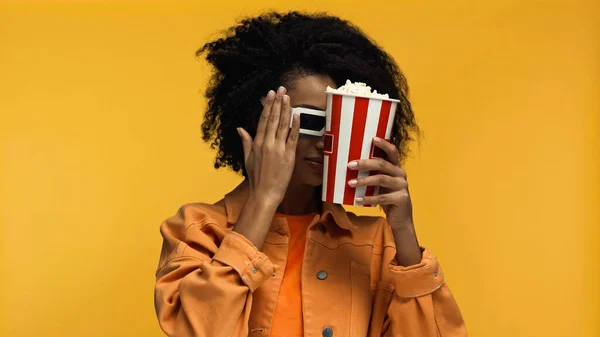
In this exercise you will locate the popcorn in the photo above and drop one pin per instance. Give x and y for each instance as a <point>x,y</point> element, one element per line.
<point>357,88</point>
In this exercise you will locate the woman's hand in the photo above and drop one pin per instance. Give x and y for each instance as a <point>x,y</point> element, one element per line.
<point>393,198</point>
<point>270,156</point>
<point>269,161</point>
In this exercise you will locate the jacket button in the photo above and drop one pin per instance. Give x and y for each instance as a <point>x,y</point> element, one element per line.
<point>327,332</point>
<point>322,275</point>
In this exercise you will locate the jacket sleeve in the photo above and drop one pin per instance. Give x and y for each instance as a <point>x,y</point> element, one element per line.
<point>421,303</point>
<point>206,277</point>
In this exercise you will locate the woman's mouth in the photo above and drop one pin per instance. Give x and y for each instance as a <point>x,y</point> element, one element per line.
<point>316,163</point>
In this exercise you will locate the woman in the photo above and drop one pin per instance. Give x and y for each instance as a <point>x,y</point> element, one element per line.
<point>271,259</point>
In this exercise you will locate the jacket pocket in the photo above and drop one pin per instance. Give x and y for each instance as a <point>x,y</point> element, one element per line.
<point>361,302</point>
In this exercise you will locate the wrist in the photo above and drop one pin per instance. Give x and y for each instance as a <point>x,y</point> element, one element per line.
<point>408,251</point>
<point>258,200</point>
<point>404,229</point>
<point>255,219</point>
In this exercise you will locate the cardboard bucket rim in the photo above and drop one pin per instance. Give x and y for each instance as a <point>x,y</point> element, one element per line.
<point>362,96</point>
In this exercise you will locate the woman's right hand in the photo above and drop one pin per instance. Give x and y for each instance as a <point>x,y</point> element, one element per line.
<point>270,156</point>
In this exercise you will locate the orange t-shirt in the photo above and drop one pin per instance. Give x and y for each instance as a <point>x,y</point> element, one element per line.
<point>287,319</point>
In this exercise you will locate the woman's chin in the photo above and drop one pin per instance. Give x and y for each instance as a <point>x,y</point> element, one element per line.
<point>312,180</point>
<point>316,180</point>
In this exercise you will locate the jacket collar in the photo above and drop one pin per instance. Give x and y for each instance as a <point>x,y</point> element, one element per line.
<point>234,201</point>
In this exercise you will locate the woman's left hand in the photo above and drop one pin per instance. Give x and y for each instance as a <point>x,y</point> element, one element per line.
<point>393,197</point>
<point>393,188</point>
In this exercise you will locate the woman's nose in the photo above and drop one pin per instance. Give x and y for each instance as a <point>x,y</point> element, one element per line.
<point>320,144</point>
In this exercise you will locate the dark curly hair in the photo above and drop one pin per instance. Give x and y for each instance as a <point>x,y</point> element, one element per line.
<point>273,49</point>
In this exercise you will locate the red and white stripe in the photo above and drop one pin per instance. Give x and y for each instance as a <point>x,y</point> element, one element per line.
<point>352,120</point>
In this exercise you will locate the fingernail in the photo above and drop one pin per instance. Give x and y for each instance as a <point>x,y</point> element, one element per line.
<point>377,140</point>
<point>286,99</point>
<point>353,182</point>
<point>270,95</point>
<point>280,91</point>
<point>352,164</point>
<point>238,131</point>
<point>360,200</point>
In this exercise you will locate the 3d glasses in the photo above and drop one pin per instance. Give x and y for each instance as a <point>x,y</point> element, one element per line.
<point>312,121</point>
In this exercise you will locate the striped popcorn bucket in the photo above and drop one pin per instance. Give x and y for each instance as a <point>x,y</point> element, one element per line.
<point>352,121</point>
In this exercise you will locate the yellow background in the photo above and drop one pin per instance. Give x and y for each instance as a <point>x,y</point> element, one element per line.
<point>101,104</point>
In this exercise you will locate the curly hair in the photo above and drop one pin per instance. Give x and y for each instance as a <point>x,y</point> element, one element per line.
<point>273,49</point>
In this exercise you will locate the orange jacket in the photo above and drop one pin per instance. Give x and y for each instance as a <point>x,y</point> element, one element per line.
<point>213,282</point>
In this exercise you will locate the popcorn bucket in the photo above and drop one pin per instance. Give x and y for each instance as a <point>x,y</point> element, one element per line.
<point>352,121</point>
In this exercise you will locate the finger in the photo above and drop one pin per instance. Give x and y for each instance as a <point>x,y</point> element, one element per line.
<point>377,164</point>
<point>294,134</point>
<point>273,122</point>
<point>390,149</point>
<point>393,198</point>
<point>246,142</point>
<point>264,117</point>
<point>284,119</point>
<point>393,183</point>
